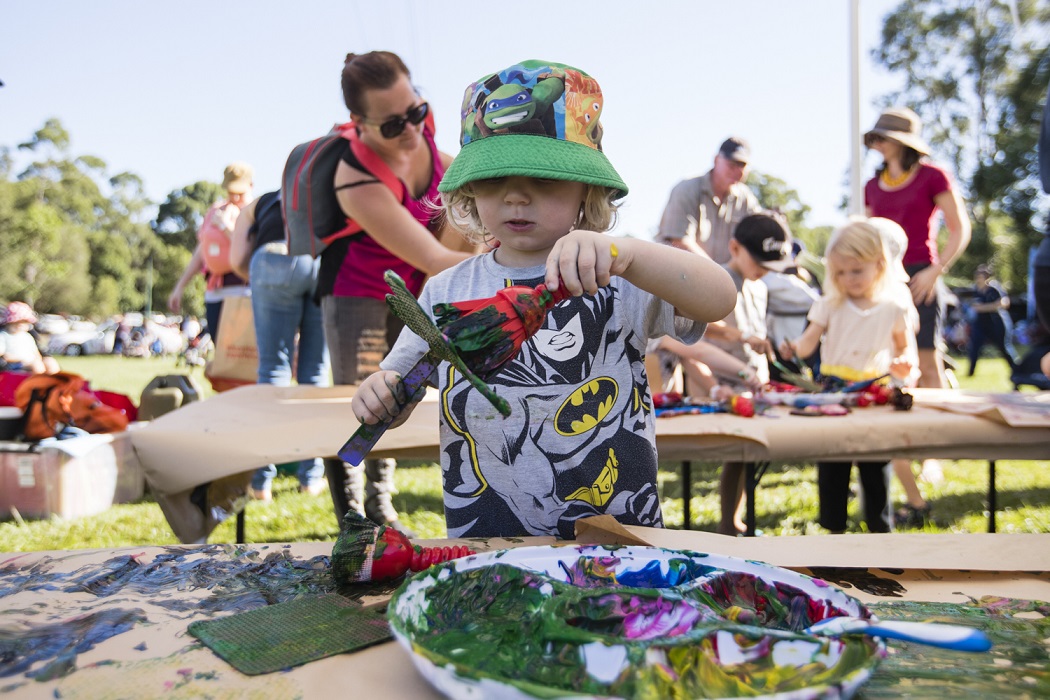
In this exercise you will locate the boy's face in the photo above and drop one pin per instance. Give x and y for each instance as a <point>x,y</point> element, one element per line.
<point>743,263</point>
<point>527,215</point>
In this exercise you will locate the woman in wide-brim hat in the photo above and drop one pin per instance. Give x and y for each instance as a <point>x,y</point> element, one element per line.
<point>909,189</point>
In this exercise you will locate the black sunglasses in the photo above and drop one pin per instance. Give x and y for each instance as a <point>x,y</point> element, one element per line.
<point>395,126</point>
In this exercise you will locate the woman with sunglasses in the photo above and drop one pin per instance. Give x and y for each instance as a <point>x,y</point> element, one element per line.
<point>404,236</point>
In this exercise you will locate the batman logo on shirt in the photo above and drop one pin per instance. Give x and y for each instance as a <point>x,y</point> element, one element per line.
<point>586,407</point>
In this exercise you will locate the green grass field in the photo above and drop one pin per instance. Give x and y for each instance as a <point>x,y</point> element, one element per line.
<point>786,498</point>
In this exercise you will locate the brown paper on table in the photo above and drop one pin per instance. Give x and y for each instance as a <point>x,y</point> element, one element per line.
<point>1017,409</point>
<point>961,552</point>
<point>252,426</point>
<point>605,529</point>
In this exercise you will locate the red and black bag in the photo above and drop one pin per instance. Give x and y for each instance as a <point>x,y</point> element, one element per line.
<point>52,402</point>
<point>312,215</point>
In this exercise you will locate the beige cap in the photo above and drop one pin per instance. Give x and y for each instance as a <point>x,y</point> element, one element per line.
<point>237,178</point>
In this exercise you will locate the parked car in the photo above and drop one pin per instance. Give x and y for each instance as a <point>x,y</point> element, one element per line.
<point>51,324</point>
<point>84,338</point>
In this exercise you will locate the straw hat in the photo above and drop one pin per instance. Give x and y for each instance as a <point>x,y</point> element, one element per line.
<point>902,125</point>
<point>237,178</point>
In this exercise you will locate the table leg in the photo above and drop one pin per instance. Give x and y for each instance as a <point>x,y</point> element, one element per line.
<point>992,496</point>
<point>687,492</point>
<point>750,484</point>
<point>240,526</point>
<point>752,475</point>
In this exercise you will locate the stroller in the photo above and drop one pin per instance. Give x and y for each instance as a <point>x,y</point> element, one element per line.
<point>196,351</point>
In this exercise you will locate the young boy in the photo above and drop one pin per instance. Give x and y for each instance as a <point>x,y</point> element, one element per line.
<point>760,243</point>
<point>532,180</point>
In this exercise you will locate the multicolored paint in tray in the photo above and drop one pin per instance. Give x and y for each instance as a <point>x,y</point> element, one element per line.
<point>626,622</point>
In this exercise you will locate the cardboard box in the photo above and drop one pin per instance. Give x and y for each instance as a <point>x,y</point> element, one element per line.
<point>68,478</point>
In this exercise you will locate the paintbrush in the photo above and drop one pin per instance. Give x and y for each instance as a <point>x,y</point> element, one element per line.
<point>478,337</point>
<point>489,333</point>
<point>365,551</point>
<point>799,380</point>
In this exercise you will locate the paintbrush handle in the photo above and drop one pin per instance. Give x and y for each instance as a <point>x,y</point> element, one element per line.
<point>366,436</point>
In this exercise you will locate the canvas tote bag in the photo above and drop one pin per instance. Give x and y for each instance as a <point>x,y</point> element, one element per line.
<point>236,360</point>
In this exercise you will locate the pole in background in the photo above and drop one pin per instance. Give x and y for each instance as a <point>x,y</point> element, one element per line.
<point>856,189</point>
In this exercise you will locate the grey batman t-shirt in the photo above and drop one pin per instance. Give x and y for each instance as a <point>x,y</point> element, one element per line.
<point>580,439</point>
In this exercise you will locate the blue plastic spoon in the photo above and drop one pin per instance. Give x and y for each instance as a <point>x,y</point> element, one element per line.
<point>935,634</point>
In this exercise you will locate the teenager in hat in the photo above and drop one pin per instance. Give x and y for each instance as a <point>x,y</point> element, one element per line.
<point>911,190</point>
<point>580,440</point>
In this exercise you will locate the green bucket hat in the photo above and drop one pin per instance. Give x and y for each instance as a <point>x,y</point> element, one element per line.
<point>546,116</point>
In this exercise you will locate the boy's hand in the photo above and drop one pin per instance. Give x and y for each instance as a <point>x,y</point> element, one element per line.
<point>760,345</point>
<point>584,261</point>
<point>380,398</point>
<point>787,350</point>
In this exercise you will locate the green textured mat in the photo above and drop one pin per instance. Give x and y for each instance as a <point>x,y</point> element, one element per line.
<point>290,634</point>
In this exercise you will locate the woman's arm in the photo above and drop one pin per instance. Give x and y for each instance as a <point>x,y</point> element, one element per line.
<point>714,358</point>
<point>195,265</point>
<point>240,246</point>
<point>374,207</point>
<point>924,283</point>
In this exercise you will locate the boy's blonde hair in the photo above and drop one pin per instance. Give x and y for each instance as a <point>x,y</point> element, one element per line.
<point>597,212</point>
<point>861,240</point>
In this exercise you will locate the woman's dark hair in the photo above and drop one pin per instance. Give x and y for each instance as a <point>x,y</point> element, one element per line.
<point>909,157</point>
<point>376,70</point>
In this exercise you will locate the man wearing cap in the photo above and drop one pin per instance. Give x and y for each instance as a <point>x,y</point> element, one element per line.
<point>703,212</point>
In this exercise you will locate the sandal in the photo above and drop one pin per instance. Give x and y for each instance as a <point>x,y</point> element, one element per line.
<point>910,516</point>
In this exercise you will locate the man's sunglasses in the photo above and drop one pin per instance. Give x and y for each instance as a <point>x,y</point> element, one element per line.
<point>395,126</point>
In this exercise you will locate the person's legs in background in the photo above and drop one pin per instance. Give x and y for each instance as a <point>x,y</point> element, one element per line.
<point>731,495</point>
<point>875,485</point>
<point>262,483</point>
<point>977,337</point>
<point>931,363</point>
<point>213,314</point>
<point>359,332</point>
<point>312,366</point>
<point>916,509</point>
<point>833,493</point>
<point>1002,336</point>
<point>279,283</point>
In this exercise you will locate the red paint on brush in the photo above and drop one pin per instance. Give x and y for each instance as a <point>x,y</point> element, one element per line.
<point>488,333</point>
<point>395,555</point>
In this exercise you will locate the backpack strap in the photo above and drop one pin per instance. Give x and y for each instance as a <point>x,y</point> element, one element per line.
<point>376,167</point>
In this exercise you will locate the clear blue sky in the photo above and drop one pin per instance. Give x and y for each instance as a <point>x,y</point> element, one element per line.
<point>174,91</point>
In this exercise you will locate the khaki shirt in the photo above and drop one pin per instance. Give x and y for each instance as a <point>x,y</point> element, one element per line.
<point>693,211</point>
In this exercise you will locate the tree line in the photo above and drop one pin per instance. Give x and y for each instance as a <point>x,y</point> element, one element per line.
<point>78,239</point>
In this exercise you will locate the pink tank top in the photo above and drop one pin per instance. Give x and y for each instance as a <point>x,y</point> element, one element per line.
<point>913,208</point>
<point>361,273</point>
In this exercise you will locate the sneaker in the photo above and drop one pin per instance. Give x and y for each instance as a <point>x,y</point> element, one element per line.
<point>314,489</point>
<point>910,516</point>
